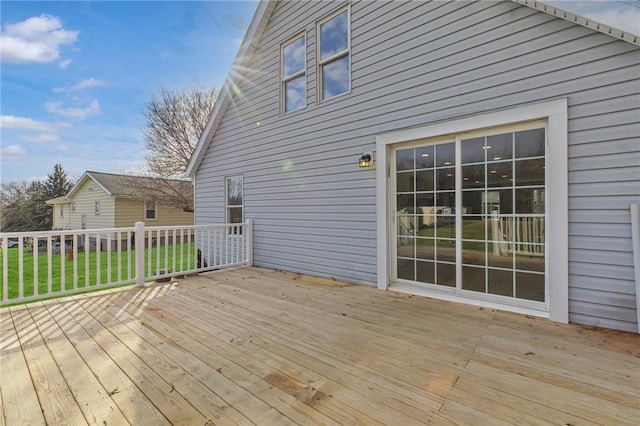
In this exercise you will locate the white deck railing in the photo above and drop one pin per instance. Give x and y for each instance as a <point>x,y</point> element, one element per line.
<point>39,265</point>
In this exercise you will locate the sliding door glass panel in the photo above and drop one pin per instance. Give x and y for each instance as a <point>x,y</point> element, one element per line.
<point>503,181</point>
<point>425,213</point>
<point>500,184</point>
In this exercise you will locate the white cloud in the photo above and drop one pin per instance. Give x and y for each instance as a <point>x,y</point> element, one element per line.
<point>13,151</point>
<point>84,84</point>
<point>624,16</point>
<point>65,63</point>
<point>37,39</point>
<point>625,19</point>
<point>41,138</point>
<point>61,148</point>
<point>24,123</point>
<point>74,113</point>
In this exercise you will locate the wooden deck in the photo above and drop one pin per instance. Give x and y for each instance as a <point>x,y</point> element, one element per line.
<point>256,346</point>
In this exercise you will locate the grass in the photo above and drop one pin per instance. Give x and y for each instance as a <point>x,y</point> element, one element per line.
<point>98,269</point>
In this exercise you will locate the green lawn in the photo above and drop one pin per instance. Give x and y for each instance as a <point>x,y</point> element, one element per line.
<point>98,267</point>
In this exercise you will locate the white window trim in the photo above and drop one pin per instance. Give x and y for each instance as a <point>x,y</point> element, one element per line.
<point>347,52</point>
<point>284,80</point>
<point>155,210</point>
<point>555,113</point>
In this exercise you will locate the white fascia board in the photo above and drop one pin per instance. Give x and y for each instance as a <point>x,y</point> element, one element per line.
<point>581,20</point>
<point>253,32</point>
<point>81,181</point>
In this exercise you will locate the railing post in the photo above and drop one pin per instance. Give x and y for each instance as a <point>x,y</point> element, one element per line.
<point>249,242</point>
<point>139,254</point>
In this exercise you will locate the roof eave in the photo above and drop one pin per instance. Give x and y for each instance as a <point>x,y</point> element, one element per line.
<point>255,29</point>
<point>580,20</point>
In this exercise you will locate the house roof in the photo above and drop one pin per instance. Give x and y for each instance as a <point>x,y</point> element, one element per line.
<point>115,185</point>
<point>259,23</point>
<point>58,200</point>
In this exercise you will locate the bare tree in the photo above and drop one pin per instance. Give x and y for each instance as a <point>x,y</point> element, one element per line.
<point>164,191</point>
<point>175,120</point>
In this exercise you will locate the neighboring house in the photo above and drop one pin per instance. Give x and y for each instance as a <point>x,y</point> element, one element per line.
<point>515,122</point>
<point>99,200</point>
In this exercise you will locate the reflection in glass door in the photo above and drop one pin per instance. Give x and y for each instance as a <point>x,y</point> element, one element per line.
<point>500,216</point>
<point>426,199</point>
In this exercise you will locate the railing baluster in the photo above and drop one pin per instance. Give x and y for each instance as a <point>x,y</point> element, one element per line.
<point>49,265</point>
<point>98,256</point>
<point>119,251</point>
<point>74,248</point>
<point>128,255</point>
<point>87,257</point>
<point>35,272</point>
<point>21,268</point>
<point>109,237</point>
<point>173,244</point>
<point>166,251</point>
<point>5,269</point>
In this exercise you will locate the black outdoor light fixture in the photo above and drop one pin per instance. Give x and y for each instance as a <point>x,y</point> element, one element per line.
<point>366,160</point>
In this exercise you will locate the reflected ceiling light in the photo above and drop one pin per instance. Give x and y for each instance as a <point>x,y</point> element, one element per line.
<point>504,176</point>
<point>486,147</point>
<point>424,155</point>
<point>494,171</point>
<point>447,163</point>
<point>466,178</point>
<point>366,160</point>
<point>497,158</point>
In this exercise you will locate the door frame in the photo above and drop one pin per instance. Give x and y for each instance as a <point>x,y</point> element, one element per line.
<point>555,114</point>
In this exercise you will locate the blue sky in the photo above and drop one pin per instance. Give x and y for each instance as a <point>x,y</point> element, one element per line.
<point>75,75</point>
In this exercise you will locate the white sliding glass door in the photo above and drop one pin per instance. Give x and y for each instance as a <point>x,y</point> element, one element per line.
<point>469,214</point>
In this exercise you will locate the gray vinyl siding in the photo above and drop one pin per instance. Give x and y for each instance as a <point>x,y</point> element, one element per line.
<point>416,64</point>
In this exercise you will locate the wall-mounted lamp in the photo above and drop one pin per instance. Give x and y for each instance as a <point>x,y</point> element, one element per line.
<point>366,160</point>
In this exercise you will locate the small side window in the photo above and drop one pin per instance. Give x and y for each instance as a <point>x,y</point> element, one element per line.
<point>96,208</point>
<point>150,210</point>
<point>234,200</point>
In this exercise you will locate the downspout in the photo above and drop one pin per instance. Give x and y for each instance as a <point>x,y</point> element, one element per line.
<point>635,241</point>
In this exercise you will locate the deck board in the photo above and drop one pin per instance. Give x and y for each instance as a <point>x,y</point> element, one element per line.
<point>258,346</point>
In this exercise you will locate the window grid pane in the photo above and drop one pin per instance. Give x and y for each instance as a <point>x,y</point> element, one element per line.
<point>502,190</point>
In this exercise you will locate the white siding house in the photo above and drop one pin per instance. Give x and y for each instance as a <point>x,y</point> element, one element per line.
<point>505,139</point>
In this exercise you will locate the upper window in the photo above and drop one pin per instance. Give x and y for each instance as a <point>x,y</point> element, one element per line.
<point>61,210</point>
<point>294,82</point>
<point>334,60</point>
<point>96,207</point>
<point>234,199</point>
<point>149,210</point>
